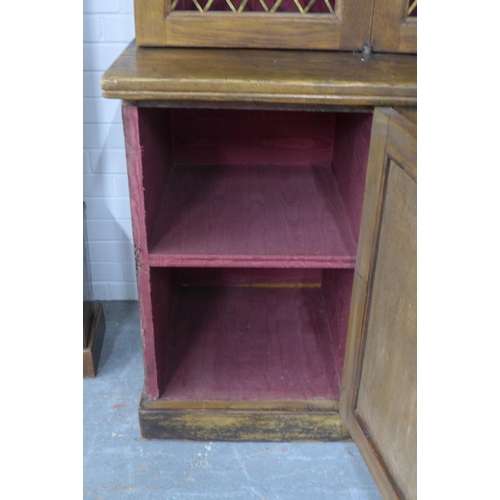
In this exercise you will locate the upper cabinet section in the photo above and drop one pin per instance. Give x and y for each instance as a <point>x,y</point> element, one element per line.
<point>277,24</point>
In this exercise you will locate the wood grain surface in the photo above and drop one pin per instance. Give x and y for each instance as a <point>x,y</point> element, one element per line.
<point>255,30</point>
<point>262,76</point>
<point>252,216</point>
<point>347,28</point>
<point>378,400</point>
<point>149,17</point>
<point>241,425</point>
<point>393,30</point>
<point>387,398</point>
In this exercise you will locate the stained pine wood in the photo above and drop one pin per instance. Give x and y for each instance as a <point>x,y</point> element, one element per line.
<point>213,76</point>
<point>409,113</point>
<point>347,29</point>
<point>92,351</point>
<point>252,216</point>
<point>378,402</point>
<point>292,405</point>
<point>149,17</point>
<point>393,30</point>
<point>234,425</point>
<point>256,30</point>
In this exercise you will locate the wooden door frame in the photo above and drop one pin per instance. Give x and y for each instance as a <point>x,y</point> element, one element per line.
<point>392,29</point>
<point>347,29</point>
<point>391,141</point>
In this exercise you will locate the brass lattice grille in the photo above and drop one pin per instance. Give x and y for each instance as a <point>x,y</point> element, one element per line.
<point>271,6</point>
<point>412,8</point>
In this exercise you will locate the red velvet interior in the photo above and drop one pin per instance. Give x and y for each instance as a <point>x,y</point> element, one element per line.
<point>154,129</point>
<point>337,290</point>
<point>248,137</point>
<point>248,198</point>
<point>350,158</point>
<point>227,276</point>
<point>235,343</point>
<point>319,6</point>
<point>253,216</point>
<point>414,11</point>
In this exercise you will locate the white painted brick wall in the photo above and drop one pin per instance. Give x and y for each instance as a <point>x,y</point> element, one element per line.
<point>108,27</point>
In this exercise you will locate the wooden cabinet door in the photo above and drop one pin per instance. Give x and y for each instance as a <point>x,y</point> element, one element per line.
<point>290,24</point>
<point>394,26</point>
<point>379,397</point>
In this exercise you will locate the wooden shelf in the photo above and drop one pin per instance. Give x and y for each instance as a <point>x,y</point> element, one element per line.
<point>252,216</point>
<point>261,77</point>
<point>237,344</point>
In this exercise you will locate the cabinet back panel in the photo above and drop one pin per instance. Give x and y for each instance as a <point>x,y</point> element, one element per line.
<point>243,137</point>
<point>250,276</point>
<point>241,343</point>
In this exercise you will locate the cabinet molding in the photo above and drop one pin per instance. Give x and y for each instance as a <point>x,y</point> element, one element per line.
<point>268,77</point>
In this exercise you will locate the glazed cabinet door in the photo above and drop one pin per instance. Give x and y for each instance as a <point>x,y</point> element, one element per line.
<point>290,24</point>
<point>394,26</point>
<point>379,395</point>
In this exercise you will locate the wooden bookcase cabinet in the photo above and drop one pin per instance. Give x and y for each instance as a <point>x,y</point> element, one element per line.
<point>274,225</point>
<point>384,25</point>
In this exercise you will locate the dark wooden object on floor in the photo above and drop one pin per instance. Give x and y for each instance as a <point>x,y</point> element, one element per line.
<point>92,351</point>
<point>88,299</point>
<point>93,315</point>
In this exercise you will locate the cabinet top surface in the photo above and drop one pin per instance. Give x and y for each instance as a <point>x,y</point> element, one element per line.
<point>262,76</point>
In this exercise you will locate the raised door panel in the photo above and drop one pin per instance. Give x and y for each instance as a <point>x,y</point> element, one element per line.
<point>290,24</point>
<point>379,397</point>
<point>394,26</point>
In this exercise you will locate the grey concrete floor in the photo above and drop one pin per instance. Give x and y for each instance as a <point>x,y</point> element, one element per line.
<point>118,464</point>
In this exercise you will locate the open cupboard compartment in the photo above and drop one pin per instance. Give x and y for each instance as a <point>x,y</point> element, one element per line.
<point>245,227</point>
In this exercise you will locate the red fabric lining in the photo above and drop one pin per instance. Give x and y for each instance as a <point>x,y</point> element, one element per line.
<point>318,7</point>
